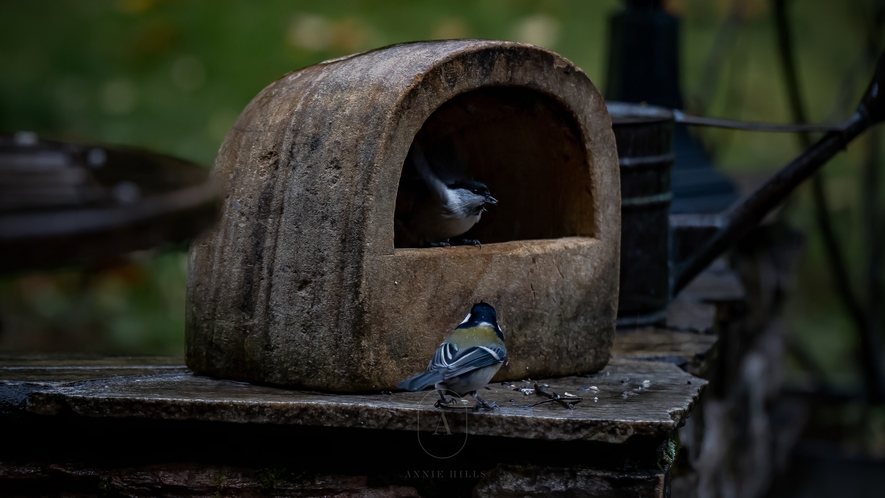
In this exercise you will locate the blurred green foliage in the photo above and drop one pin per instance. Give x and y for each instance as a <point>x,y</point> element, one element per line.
<point>173,75</point>
<point>132,308</point>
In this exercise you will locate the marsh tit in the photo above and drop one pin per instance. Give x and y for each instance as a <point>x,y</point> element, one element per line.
<point>467,360</point>
<point>443,210</point>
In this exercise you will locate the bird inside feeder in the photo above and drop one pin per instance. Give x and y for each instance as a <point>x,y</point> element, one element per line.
<point>491,165</point>
<point>438,200</point>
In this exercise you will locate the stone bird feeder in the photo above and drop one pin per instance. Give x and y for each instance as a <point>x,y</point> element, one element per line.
<point>300,284</point>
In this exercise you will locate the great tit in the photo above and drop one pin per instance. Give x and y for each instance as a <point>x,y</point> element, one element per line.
<point>467,360</point>
<point>444,208</point>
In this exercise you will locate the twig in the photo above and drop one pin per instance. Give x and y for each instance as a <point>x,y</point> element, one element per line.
<point>552,396</point>
<point>540,403</point>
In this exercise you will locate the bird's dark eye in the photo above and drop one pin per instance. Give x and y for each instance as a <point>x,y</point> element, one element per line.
<point>475,190</point>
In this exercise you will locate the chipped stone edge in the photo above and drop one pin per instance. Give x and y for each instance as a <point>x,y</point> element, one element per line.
<point>518,423</point>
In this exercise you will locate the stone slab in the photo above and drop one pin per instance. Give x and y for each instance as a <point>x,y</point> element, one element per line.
<point>718,284</point>
<point>653,408</point>
<point>690,351</point>
<point>688,314</point>
<point>185,479</point>
<point>525,481</point>
<point>49,370</point>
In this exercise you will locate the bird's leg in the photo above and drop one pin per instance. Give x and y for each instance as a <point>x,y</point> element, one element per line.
<point>481,403</point>
<point>442,400</point>
<point>458,241</point>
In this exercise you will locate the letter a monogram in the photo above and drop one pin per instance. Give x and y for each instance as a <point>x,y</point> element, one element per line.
<point>445,424</point>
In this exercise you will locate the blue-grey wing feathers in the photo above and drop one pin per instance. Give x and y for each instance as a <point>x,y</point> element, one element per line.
<point>471,358</point>
<point>449,362</point>
<point>420,381</point>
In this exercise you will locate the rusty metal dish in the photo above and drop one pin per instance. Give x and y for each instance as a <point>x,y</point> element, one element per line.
<point>65,204</point>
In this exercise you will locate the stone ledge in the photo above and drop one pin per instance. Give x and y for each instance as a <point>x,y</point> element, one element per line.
<point>690,351</point>
<point>526,481</point>
<point>162,390</point>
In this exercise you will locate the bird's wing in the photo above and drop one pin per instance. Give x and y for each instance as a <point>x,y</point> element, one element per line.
<point>426,172</point>
<point>445,354</point>
<point>453,362</point>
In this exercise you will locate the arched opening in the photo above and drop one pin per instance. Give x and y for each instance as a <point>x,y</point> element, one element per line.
<point>526,147</point>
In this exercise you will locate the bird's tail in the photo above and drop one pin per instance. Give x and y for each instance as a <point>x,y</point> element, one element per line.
<point>420,381</point>
<point>426,172</point>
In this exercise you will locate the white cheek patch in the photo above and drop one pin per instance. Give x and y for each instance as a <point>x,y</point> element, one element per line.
<point>466,319</point>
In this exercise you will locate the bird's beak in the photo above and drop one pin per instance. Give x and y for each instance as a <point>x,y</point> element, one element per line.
<point>491,200</point>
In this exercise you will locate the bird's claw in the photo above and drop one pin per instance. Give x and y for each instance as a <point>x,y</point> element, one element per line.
<point>438,244</point>
<point>442,403</point>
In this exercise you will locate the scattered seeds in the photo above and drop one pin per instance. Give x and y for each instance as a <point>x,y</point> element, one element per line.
<point>595,399</point>
<point>646,384</point>
<point>627,394</point>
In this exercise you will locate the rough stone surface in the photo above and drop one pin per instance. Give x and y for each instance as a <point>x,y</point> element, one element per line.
<point>533,481</point>
<point>718,284</point>
<point>690,351</point>
<point>186,480</point>
<point>660,397</point>
<point>688,315</point>
<point>300,283</point>
<point>52,370</point>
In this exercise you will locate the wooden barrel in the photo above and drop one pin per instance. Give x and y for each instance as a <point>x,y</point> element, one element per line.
<point>644,136</point>
<point>300,283</point>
